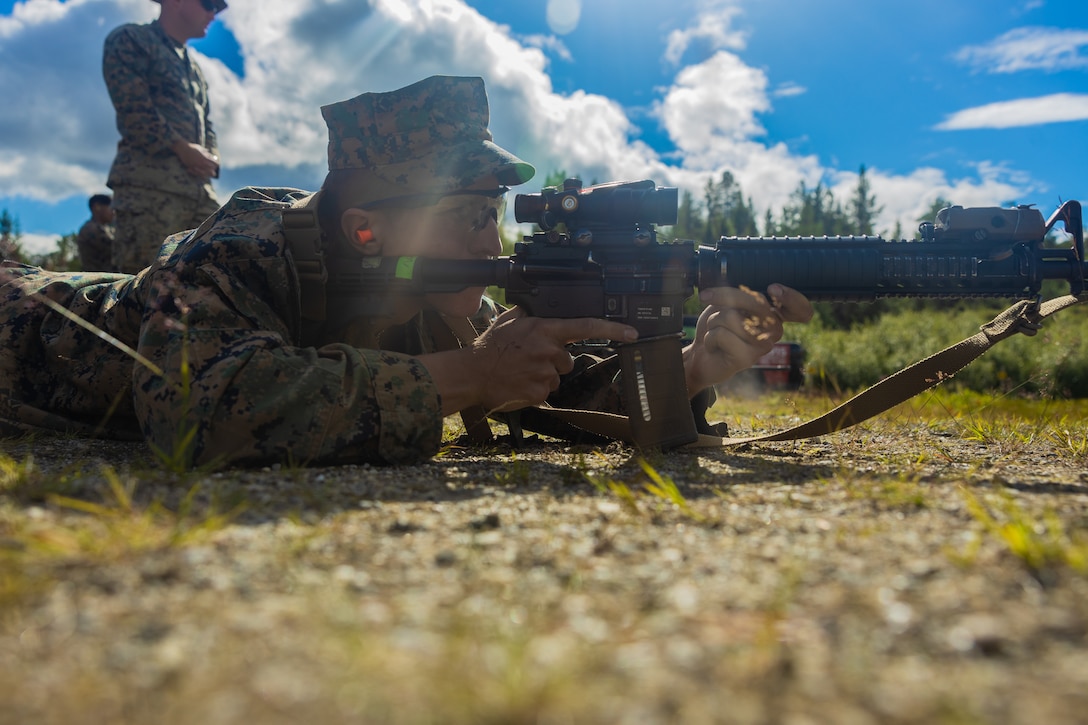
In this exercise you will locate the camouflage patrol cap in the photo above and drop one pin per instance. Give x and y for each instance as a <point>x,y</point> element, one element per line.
<point>428,137</point>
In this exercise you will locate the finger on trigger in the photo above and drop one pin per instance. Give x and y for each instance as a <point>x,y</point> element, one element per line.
<point>592,328</point>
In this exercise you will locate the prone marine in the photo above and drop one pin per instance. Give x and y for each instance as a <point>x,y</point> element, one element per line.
<point>238,343</point>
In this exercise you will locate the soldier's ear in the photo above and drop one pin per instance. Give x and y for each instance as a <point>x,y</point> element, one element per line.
<point>355,224</point>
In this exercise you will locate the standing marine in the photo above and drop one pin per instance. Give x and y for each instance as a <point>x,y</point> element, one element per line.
<point>167,156</point>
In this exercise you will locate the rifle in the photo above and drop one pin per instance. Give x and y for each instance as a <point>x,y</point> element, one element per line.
<point>596,254</point>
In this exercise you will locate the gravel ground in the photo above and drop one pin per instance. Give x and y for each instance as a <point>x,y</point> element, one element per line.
<point>908,571</point>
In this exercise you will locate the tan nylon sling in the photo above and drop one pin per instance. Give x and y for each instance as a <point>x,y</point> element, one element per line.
<point>1026,316</point>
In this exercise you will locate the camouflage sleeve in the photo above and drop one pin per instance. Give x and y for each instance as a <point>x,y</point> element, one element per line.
<point>211,141</point>
<point>125,67</point>
<point>234,390</point>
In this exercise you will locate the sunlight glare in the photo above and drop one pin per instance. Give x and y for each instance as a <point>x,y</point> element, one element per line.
<point>563,15</point>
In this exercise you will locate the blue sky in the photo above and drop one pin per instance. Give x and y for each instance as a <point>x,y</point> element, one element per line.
<point>977,101</point>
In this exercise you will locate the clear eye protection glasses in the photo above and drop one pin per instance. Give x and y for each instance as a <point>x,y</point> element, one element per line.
<point>469,209</point>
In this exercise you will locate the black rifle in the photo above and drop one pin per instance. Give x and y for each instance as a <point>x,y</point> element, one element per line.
<point>597,255</point>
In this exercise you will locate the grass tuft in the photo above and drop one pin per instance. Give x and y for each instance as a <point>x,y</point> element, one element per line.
<point>1041,544</point>
<point>654,485</point>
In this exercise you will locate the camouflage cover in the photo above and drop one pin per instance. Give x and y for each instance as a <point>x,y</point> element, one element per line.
<point>429,136</point>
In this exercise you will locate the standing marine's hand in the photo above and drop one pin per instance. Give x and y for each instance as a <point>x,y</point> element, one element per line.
<point>738,327</point>
<point>197,160</point>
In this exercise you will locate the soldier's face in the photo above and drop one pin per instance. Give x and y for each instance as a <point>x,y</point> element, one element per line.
<point>197,17</point>
<point>459,226</point>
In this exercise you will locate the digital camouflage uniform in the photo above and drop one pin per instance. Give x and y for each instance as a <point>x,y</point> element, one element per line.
<point>226,297</point>
<point>94,243</point>
<point>160,96</point>
<point>264,384</point>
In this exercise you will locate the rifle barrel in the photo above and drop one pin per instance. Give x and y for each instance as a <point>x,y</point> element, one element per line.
<point>867,268</point>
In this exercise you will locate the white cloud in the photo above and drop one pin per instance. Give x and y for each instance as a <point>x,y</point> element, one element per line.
<point>1054,108</point>
<point>58,141</point>
<point>716,131</point>
<point>788,89</point>
<point>548,42</point>
<point>34,244</point>
<point>57,132</point>
<point>300,56</point>
<point>907,198</point>
<point>712,26</point>
<point>33,12</point>
<point>716,100</point>
<point>1032,48</point>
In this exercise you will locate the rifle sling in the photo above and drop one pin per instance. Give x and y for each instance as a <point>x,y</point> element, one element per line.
<point>1026,316</point>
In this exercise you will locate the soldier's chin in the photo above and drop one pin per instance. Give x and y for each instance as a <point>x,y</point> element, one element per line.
<point>465,303</point>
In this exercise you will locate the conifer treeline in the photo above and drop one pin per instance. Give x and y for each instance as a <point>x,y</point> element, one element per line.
<point>724,211</point>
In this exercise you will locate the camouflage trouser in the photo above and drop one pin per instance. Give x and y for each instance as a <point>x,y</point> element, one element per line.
<point>145,217</point>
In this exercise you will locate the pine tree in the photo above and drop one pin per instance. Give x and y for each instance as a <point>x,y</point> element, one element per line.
<point>862,207</point>
<point>728,214</point>
<point>939,203</point>
<point>64,258</point>
<point>10,233</point>
<point>689,221</point>
<point>812,213</point>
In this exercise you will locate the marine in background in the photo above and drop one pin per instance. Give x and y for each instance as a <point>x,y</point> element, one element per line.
<point>94,241</point>
<point>168,155</point>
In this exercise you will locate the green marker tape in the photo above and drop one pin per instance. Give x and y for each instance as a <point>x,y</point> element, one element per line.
<point>405,267</point>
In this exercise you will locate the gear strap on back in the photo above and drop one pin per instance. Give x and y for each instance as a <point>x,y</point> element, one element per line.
<point>302,230</point>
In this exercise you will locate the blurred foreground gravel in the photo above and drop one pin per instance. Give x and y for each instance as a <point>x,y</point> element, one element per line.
<point>899,573</point>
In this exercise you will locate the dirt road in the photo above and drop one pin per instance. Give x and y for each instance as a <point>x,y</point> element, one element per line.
<point>910,571</point>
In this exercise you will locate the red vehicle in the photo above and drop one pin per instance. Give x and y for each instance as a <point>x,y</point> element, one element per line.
<point>782,367</point>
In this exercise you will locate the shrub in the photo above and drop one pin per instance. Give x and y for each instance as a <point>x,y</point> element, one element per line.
<point>1053,362</point>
